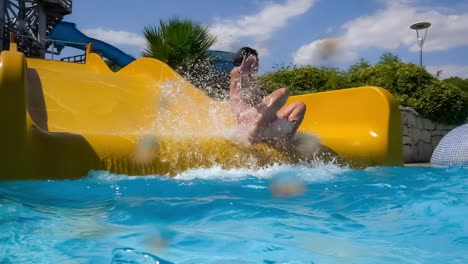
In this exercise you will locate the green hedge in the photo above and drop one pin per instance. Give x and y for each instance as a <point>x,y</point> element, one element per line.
<point>304,80</point>
<point>458,82</point>
<point>443,101</point>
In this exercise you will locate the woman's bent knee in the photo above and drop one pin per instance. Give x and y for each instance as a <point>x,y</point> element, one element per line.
<point>284,91</point>
<point>301,106</point>
<point>280,93</point>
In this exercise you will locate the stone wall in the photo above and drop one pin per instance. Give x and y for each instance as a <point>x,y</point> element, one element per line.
<point>420,135</point>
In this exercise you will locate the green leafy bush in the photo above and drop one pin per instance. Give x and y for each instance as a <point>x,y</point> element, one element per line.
<point>412,85</point>
<point>304,79</point>
<point>358,73</point>
<point>443,103</point>
<point>383,75</point>
<point>458,82</point>
<point>411,78</point>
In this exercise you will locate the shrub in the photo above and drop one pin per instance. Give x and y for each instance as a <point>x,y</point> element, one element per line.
<point>304,79</point>
<point>358,73</point>
<point>382,75</point>
<point>412,85</point>
<point>443,103</point>
<point>388,57</point>
<point>411,78</point>
<point>272,81</point>
<point>459,82</point>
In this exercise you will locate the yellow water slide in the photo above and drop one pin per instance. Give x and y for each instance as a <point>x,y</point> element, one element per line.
<point>60,120</point>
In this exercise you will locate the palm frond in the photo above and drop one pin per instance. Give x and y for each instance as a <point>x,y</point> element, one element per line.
<point>178,42</point>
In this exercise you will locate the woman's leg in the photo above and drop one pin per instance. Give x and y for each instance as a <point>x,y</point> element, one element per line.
<point>276,99</point>
<point>271,104</point>
<point>268,109</point>
<point>295,114</point>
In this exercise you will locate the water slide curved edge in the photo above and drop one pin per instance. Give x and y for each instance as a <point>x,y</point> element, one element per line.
<point>72,37</point>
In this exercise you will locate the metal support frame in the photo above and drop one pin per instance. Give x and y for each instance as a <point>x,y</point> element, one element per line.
<point>3,8</point>
<point>31,21</point>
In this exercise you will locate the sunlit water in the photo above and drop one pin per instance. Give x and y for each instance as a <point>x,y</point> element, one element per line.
<point>282,214</point>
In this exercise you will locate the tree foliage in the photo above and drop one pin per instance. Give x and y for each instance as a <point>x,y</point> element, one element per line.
<point>443,103</point>
<point>180,43</point>
<point>412,85</point>
<point>458,82</point>
<point>388,58</point>
<point>304,79</point>
<point>184,45</point>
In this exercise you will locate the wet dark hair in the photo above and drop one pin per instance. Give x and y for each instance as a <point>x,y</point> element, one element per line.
<point>239,56</point>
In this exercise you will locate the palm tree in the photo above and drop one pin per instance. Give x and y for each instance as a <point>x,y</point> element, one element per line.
<point>179,43</point>
<point>184,45</point>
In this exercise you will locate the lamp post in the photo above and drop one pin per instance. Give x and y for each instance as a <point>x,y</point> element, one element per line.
<point>421,26</point>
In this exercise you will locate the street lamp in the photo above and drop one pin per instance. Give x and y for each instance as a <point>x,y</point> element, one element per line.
<point>421,26</point>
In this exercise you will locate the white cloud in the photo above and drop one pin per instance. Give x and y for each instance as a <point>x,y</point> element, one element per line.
<point>389,29</point>
<point>449,70</point>
<point>116,37</point>
<point>257,27</point>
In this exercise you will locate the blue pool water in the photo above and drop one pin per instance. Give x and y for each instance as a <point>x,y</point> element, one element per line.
<point>282,214</point>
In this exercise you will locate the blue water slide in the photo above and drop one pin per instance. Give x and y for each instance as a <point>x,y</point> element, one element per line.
<point>223,60</point>
<point>72,37</point>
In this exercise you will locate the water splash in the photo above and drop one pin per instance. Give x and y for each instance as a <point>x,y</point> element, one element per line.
<point>320,172</point>
<point>184,112</point>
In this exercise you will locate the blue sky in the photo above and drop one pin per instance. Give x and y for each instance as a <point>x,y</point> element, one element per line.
<point>334,33</point>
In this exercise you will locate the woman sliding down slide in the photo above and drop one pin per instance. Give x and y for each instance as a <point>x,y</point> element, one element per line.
<point>263,116</point>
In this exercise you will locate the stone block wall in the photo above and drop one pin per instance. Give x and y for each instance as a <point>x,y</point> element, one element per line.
<point>420,135</point>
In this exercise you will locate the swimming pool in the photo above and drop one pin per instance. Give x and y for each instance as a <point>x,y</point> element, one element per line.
<point>281,214</point>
